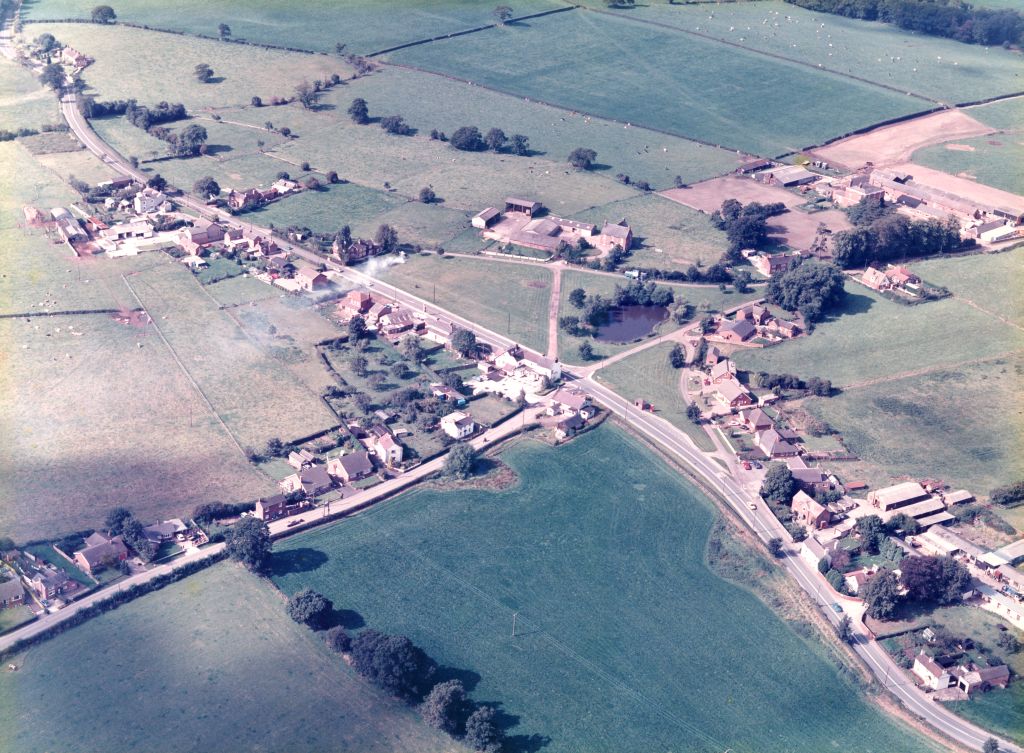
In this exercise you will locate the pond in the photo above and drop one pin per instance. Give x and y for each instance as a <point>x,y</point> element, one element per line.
<point>627,323</point>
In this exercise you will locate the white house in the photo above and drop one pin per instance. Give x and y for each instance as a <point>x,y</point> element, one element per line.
<point>458,425</point>
<point>148,200</point>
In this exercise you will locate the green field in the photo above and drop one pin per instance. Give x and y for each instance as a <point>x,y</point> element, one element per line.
<point>365,25</point>
<point>993,160</point>
<point>942,69</point>
<point>24,103</point>
<point>617,612</point>
<point>992,281</point>
<point>211,664</point>
<point>660,78</point>
<point>876,338</point>
<point>1006,114</point>
<point>240,290</point>
<point>510,299</point>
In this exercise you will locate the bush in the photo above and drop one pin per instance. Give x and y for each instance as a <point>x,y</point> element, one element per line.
<point>468,139</point>
<point>392,662</point>
<point>307,607</point>
<point>338,640</point>
<point>444,708</point>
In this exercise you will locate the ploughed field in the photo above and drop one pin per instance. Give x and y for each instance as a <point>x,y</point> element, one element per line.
<point>625,640</point>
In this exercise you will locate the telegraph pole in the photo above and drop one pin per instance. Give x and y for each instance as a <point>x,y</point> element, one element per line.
<point>514,614</point>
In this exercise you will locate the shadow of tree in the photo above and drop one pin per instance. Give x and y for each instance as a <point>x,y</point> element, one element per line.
<point>297,561</point>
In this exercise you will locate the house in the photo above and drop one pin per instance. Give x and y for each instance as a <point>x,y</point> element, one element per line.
<point>12,593</point>
<point>813,552</point>
<point>486,218</point>
<point>900,495</point>
<point>733,394</point>
<point>783,328</point>
<point>569,426</point>
<point>355,303</point>
<point>809,512</point>
<point>280,264</point>
<point>757,420</point>
<point>165,531</point>
<point>204,232</point>
<point>311,481</point>
<point>396,322</point>
<point>375,312</point>
<point>811,480</point>
<point>508,360</point>
<point>548,368</point>
<point>301,459</point>
<point>523,206</point>
<point>774,445</point>
<point>855,579</point>
<point>618,234</point>
<point>570,401</point>
<point>876,279</point>
<point>458,425</point>
<point>148,200</point>
<point>310,279</point>
<point>48,584</point>
<point>737,331</point>
<point>757,314</point>
<point>770,264</point>
<point>250,198</point>
<point>903,278</point>
<point>387,449</point>
<point>439,331</point>
<point>100,552</point>
<point>932,674</point>
<point>722,371</point>
<point>351,467</point>
<point>71,56</point>
<point>271,508</point>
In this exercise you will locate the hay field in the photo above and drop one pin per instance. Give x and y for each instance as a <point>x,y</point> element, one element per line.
<point>490,293</point>
<point>942,69</point>
<point>657,77</point>
<point>596,563</point>
<point>254,393</point>
<point>210,665</point>
<point>365,25</point>
<point>993,160</point>
<point>24,103</point>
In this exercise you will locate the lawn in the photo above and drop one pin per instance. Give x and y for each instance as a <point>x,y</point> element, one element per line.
<point>942,69</point>
<point>24,103</point>
<point>875,338</point>
<point>208,664</point>
<point>670,85</point>
<point>617,613</point>
<point>964,425</point>
<point>249,388</point>
<point>45,552</point>
<point>991,160</point>
<point>992,281</point>
<point>365,25</point>
<point>649,376</point>
<point>509,299</point>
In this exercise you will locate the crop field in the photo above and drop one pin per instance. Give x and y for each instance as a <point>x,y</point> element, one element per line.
<point>941,69</point>
<point>595,565</point>
<point>964,425</point>
<point>510,299</point>
<point>666,86</point>
<point>993,160</point>
<point>991,281</point>
<point>365,25</point>
<point>876,339</point>
<point>670,235</point>
<point>24,103</point>
<point>251,390</point>
<point>1006,114</point>
<point>208,664</point>
<point>101,419</point>
<point>148,54</point>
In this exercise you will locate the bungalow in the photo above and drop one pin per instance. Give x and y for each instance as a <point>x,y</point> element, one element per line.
<point>12,593</point>
<point>148,200</point>
<point>809,512</point>
<point>301,459</point>
<point>722,371</point>
<point>311,481</point>
<point>733,394</point>
<point>736,331</point>
<point>355,303</point>
<point>165,531</point>
<point>458,425</point>
<point>249,198</point>
<point>486,218</point>
<point>757,420</point>
<point>569,426</point>
<point>387,449</point>
<point>100,552</point>
<point>774,445</point>
<point>351,467</point>
<point>618,234</point>
<point>271,508</point>
<point>932,674</point>
<point>570,401</point>
<point>310,279</point>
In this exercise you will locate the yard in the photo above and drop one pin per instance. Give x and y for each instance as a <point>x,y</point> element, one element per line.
<point>594,565</point>
<point>510,299</point>
<point>669,87</point>
<point>211,664</point>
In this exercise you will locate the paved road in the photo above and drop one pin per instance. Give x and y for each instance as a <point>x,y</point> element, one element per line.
<point>666,436</point>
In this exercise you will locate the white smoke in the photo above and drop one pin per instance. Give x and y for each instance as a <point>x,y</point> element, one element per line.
<point>378,264</point>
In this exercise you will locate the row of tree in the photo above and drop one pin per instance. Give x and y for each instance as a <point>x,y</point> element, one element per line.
<point>814,385</point>
<point>883,235</point>
<point>745,226</point>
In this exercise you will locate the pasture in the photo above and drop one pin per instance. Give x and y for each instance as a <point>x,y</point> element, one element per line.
<point>990,281</point>
<point>24,103</point>
<point>365,25</point>
<point>212,663</point>
<point>595,563</point>
<point>668,85</point>
<point>992,160</point>
<point>509,299</point>
<point>941,69</point>
<point>1006,114</point>
<point>964,425</point>
<point>236,291</point>
<point>251,391</point>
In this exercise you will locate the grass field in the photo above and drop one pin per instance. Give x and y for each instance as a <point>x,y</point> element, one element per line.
<point>365,25</point>
<point>1006,114</point>
<point>24,103</point>
<point>209,664</point>
<point>81,164</point>
<point>876,338</point>
<point>992,160</point>
<point>240,290</point>
<point>648,375</point>
<point>939,68</point>
<point>964,425</point>
<point>992,281</point>
<point>490,293</point>
<point>595,564</point>
<point>668,85</point>
<point>251,390</point>
<point>13,617</point>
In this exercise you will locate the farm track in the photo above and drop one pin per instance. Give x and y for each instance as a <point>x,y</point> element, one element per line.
<point>929,370</point>
<point>993,314</point>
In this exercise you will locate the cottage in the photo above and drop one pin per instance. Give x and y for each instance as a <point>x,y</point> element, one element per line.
<point>736,331</point>
<point>310,279</point>
<point>813,552</point>
<point>771,264</point>
<point>271,508</point>
<point>757,420</point>
<point>301,459</point>
<point>783,328</point>
<point>932,674</point>
<point>311,481</point>
<point>74,58</point>
<point>486,218</point>
<point>458,425</point>
<point>12,594</point>
<point>809,512</point>
<point>148,200</point>
<point>723,371</point>
<point>774,445</point>
<point>618,233</point>
<point>351,467</point>
<point>733,394</point>
<point>100,552</point>
<point>387,449</point>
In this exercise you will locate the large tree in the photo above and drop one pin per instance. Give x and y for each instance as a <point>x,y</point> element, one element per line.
<point>871,530</point>
<point>115,519</point>
<point>103,14</point>
<point>503,13</point>
<point>356,328</point>
<point>223,31</point>
<point>582,158</point>
<point>445,706</point>
<point>468,139</point>
<point>53,76</point>
<point>387,238</point>
<point>778,484</point>
<point>203,72</point>
<point>248,542</point>
<point>496,139</point>
<point>482,731</point>
<point>392,662</point>
<point>519,145</point>
<point>190,141</point>
<point>464,342</point>
<point>307,95</point>
<point>881,594</point>
<point>307,607</point>
<point>206,187</point>
<point>811,288</point>
<point>460,461</point>
<point>942,580</point>
<point>359,112</point>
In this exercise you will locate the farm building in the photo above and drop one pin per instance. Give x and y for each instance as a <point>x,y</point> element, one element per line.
<point>1013,552</point>
<point>351,467</point>
<point>569,426</point>
<point>901,187</point>
<point>753,166</point>
<point>943,542</point>
<point>70,229</point>
<point>301,459</point>
<point>523,206</point>
<point>484,219</point>
<point>900,495</point>
<point>618,233</point>
<point>786,176</point>
<point>121,231</point>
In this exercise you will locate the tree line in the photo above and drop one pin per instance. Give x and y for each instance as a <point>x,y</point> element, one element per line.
<point>882,235</point>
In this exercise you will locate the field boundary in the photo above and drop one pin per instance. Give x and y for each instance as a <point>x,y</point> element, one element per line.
<point>75,312</point>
